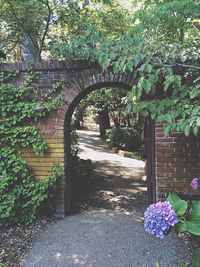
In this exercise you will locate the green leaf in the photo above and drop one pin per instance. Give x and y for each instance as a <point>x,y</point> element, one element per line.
<point>186,130</point>
<point>146,86</point>
<point>181,226</point>
<point>180,206</point>
<point>196,205</point>
<point>128,109</point>
<point>193,228</point>
<point>198,121</point>
<point>168,117</point>
<point>195,130</point>
<point>196,260</point>
<point>149,68</point>
<point>172,197</point>
<point>166,129</point>
<point>193,223</point>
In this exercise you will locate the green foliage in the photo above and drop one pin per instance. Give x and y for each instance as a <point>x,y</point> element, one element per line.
<point>44,23</point>
<point>158,41</point>
<point>171,20</point>
<point>17,105</point>
<point>140,155</point>
<point>20,194</point>
<point>164,57</point>
<point>79,113</point>
<point>114,100</point>
<point>26,20</point>
<point>189,218</point>
<point>195,262</point>
<point>81,171</point>
<point>125,138</point>
<point>180,264</point>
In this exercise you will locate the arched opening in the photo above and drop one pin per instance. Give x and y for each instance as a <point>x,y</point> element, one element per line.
<point>149,145</point>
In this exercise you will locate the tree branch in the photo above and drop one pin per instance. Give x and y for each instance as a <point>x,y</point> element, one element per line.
<point>21,24</point>
<point>46,27</point>
<point>188,66</point>
<point>177,64</point>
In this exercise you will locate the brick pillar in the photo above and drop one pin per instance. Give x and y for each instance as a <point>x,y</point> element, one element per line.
<point>177,161</point>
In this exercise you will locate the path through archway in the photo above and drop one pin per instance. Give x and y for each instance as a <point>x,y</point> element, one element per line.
<point>121,182</point>
<point>117,183</point>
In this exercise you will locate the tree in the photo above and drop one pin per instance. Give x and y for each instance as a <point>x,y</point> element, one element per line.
<point>31,27</point>
<point>159,40</point>
<point>28,25</point>
<point>171,20</point>
<point>165,66</point>
<point>109,105</point>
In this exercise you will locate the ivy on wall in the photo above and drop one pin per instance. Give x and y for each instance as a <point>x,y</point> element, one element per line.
<point>20,107</point>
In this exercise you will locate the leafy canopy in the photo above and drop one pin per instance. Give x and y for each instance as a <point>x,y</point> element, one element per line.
<point>161,47</point>
<point>156,39</point>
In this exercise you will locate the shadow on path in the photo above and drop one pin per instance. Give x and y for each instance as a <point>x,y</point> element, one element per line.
<point>106,230</point>
<point>117,183</point>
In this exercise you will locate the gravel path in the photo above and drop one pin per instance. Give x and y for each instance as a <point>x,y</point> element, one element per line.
<point>107,228</point>
<point>103,238</point>
<point>16,240</point>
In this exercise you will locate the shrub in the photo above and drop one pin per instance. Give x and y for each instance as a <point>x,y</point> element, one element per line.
<point>184,216</point>
<point>140,155</point>
<point>125,138</point>
<point>81,170</point>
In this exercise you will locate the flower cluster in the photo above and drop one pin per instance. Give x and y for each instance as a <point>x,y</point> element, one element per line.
<point>159,218</point>
<point>195,184</point>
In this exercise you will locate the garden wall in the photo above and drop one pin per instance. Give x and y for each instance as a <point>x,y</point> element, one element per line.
<point>177,158</point>
<point>177,162</point>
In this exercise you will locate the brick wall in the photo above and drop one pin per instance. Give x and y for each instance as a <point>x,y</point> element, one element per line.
<point>177,158</point>
<point>177,162</point>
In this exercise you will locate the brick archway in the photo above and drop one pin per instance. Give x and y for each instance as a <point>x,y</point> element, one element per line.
<point>176,158</point>
<point>86,82</point>
<point>68,116</point>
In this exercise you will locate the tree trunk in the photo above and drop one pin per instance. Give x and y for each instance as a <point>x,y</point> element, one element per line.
<point>2,54</point>
<point>30,50</point>
<point>87,3</point>
<point>104,122</point>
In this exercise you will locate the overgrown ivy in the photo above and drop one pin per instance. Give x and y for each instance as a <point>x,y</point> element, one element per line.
<point>20,107</point>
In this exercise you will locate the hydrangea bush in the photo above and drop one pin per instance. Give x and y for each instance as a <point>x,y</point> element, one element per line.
<point>175,212</point>
<point>195,184</point>
<point>159,218</point>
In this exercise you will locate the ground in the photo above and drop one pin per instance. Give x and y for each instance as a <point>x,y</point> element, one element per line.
<point>106,228</point>
<point>118,183</point>
<point>103,238</point>
<point>16,240</point>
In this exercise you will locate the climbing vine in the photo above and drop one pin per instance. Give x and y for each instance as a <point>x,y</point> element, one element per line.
<point>20,107</point>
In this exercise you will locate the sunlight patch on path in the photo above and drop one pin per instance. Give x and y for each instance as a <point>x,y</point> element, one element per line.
<point>92,147</point>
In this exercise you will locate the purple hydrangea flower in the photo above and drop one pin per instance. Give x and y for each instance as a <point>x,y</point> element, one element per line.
<point>195,183</point>
<point>159,218</point>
